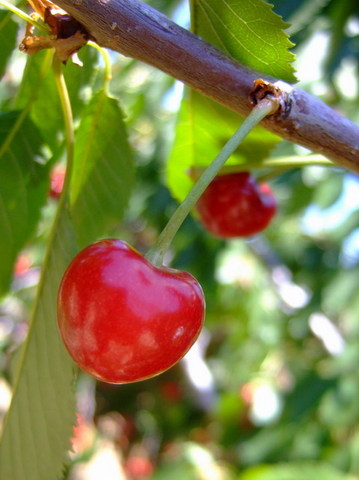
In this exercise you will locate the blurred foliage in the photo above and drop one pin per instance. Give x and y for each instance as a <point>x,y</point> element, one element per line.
<point>271,389</point>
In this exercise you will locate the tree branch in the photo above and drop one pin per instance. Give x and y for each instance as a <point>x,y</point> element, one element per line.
<point>137,30</point>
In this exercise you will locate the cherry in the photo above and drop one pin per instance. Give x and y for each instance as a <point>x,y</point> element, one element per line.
<point>123,319</point>
<point>139,466</point>
<point>22,265</point>
<point>57,178</point>
<point>233,205</point>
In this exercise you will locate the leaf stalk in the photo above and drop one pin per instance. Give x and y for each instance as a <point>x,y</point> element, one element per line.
<point>20,13</point>
<point>69,126</point>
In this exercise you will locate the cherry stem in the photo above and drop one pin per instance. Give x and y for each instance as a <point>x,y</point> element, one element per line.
<point>107,65</point>
<point>69,125</point>
<point>156,254</point>
<point>23,15</point>
<point>69,129</point>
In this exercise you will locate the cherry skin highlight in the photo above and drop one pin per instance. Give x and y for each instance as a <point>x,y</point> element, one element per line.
<point>123,319</point>
<point>234,205</point>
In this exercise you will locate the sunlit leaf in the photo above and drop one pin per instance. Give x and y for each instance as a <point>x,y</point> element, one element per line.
<point>252,34</point>
<point>103,169</point>
<point>39,424</point>
<point>249,31</point>
<point>80,79</point>
<point>202,130</point>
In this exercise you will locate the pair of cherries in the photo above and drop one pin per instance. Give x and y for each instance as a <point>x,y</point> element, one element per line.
<point>121,318</point>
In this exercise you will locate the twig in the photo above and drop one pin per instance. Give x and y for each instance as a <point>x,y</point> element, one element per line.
<point>135,29</point>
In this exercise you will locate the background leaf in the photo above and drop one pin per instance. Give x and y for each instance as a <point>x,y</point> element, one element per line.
<point>305,396</point>
<point>294,471</point>
<point>38,92</point>
<point>8,32</point>
<point>202,130</point>
<point>249,31</point>
<point>103,169</point>
<point>39,96</point>
<point>204,126</point>
<point>39,423</point>
<point>23,187</point>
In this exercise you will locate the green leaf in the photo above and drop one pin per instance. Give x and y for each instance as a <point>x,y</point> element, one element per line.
<point>303,399</point>
<point>23,187</point>
<point>39,423</point>
<point>205,126</point>
<point>39,94</point>
<point>80,79</point>
<point>8,32</point>
<point>341,291</point>
<point>249,31</point>
<point>295,471</point>
<point>103,169</point>
<point>329,190</point>
<point>202,130</point>
<point>300,14</point>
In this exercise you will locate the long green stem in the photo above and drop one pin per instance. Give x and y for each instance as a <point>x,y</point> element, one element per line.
<point>156,254</point>
<point>69,126</point>
<point>23,15</point>
<point>66,107</point>
<point>107,65</point>
<point>67,112</point>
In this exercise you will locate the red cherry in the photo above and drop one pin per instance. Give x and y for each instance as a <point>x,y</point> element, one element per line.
<point>139,467</point>
<point>22,265</point>
<point>124,320</point>
<point>57,178</point>
<point>234,205</point>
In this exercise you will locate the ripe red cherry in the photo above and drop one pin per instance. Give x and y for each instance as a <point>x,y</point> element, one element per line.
<point>57,178</point>
<point>124,320</point>
<point>234,205</point>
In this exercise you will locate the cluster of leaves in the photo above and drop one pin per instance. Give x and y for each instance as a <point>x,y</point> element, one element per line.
<point>258,338</point>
